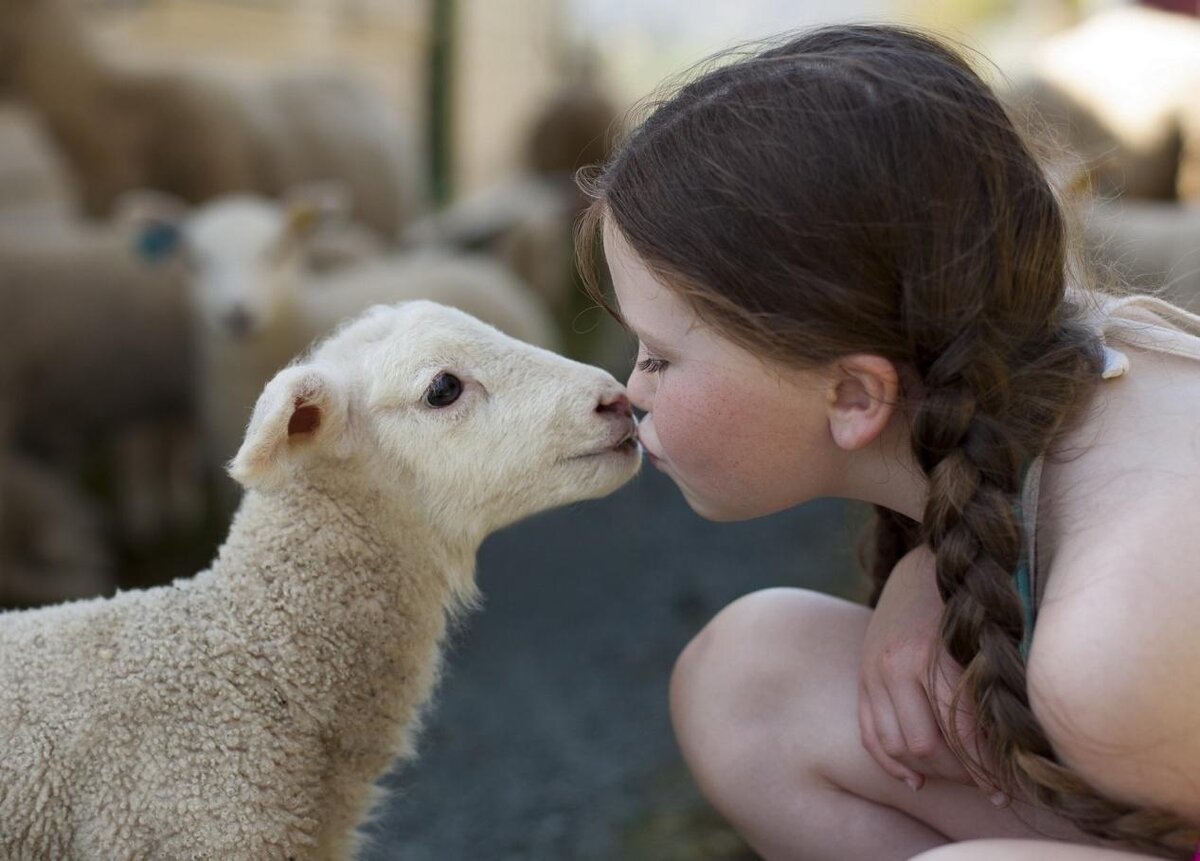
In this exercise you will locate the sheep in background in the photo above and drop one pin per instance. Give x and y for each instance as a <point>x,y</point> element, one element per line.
<point>1154,245</point>
<point>34,191</point>
<point>247,712</point>
<point>255,303</point>
<point>97,363</point>
<point>1117,91</point>
<point>199,136</point>
<point>575,128</point>
<point>526,221</point>
<point>52,544</point>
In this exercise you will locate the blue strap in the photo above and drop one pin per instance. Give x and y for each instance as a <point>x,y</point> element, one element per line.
<point>1022,578</point>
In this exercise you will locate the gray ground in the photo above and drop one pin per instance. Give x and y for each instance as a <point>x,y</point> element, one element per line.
<point>550,737</point>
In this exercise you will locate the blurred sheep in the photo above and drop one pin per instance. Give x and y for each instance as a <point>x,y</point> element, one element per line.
<point>97,367</point>
<point>52,544</point>
<point>1121,93</point>
<point>256,304</point>
<point>35,192</point>
<point>197,135</point>
<point>1153,245</point>
<point>526,220</point>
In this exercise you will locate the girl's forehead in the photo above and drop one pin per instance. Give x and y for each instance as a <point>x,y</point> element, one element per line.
<point>646,304</point>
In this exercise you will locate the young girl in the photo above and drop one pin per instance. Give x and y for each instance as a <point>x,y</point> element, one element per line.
<point>848,277</point>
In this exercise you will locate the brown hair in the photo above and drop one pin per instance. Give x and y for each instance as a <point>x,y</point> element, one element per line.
<point>861,189</point>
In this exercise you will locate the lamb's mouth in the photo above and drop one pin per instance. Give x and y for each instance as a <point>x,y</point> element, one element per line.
<point>627,445</point>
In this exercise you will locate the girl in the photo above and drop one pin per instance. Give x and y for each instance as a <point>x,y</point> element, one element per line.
<point>848,277</point>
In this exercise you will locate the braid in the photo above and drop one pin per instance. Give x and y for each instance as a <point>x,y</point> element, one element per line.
<point>971,446</point>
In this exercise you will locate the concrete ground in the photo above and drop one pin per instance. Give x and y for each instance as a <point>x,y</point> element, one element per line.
<point>550,736</point>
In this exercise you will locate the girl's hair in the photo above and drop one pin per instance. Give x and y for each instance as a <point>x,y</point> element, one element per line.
<point>861,189</point>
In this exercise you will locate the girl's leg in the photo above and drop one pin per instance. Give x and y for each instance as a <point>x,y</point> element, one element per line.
<point>764,702</point>
<point>1024,850</point>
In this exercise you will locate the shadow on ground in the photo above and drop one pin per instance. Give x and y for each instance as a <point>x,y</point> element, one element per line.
<point>550,736</point>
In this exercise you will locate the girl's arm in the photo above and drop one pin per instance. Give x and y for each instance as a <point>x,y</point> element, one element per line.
<point>897,702</point>
<point>1114,669</point>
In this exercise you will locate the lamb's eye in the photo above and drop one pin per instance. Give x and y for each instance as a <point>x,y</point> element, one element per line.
<point>444,390</point>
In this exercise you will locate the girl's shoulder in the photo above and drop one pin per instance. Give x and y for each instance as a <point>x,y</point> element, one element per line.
<point>1113,664</point>
<point>1129,467</point>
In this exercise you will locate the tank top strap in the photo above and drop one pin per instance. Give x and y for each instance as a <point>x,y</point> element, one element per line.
<point>1145,322</point>
<point>1026,579</point>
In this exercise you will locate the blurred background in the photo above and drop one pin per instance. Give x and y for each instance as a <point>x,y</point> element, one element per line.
<point>191,191</point>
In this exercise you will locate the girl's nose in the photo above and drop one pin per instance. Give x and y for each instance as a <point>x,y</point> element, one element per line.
<point>639,392</point>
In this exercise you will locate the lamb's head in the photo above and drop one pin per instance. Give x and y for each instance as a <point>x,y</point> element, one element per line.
<point>453,421</point>
<point>244,255</point>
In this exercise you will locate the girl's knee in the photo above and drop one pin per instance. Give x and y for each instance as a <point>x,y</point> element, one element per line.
<point>735,686</point>
<point>984,850</point>
<point>748,639</point>
<point>735,648</point>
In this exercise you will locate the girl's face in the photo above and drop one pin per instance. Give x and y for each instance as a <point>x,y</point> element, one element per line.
<point>741,438</point>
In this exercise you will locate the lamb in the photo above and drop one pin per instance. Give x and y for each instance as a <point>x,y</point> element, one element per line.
<point>256,304</point>
<point>198,135</point>
<point>245,713</point>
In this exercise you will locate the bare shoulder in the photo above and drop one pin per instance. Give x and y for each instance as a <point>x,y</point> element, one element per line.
<point>1115,662</point>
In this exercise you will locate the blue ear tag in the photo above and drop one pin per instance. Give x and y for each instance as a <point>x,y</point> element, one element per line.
<point>157,240</point>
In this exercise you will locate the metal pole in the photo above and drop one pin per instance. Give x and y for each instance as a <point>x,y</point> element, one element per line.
<point>441,99</point>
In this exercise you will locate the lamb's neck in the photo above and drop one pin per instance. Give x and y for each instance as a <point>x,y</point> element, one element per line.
<point>344,599</point>
<point>350,572</point>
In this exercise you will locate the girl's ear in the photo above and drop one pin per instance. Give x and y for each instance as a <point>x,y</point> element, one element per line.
<point>303,409</point>
<point>863,392</point>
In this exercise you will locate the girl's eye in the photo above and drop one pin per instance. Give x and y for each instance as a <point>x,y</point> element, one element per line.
<point>651,366</point>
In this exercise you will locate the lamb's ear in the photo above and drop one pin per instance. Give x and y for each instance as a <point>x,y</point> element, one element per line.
<point>303,408</point>
<point>312,205</point>
<point>156,219</point>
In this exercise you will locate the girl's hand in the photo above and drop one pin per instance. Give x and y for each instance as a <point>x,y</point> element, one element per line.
<point>896,701</point>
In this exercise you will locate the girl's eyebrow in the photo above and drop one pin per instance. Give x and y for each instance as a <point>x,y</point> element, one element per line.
<point>645,338</point>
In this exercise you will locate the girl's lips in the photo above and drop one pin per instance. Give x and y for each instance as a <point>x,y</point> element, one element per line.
<point>650,456</point>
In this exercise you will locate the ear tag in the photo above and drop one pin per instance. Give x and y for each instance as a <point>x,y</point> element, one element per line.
<point>157,241</point>
<point>302,220</point>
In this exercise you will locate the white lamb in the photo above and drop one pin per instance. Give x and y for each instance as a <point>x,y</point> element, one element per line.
<point>246,713</point>
<point>257,304</point>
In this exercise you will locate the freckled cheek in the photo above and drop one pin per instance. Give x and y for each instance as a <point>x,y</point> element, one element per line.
<point>698,428</point>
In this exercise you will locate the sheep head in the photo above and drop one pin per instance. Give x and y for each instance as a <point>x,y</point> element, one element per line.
<point>464,427</point>
<point>244,255</point>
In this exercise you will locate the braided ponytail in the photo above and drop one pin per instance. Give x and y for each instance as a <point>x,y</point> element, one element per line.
<point>971,447</point>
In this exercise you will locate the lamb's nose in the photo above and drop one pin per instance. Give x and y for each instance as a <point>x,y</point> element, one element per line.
<point>615,403</point>
<point>238,321</point>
